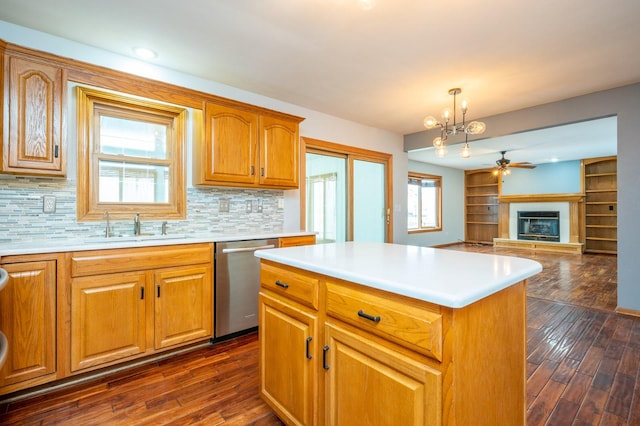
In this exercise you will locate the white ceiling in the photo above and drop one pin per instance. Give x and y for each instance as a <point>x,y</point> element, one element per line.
<point>386,67</point>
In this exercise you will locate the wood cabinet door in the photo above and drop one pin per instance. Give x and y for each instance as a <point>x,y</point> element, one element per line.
<point>183,305</point>
<point>372,384</point>
<point>36,112</point>
<point>288,360</point>
<point>107,318</point>
<point>279,152</point>
<point>27,318</point>
<point>231,144</point>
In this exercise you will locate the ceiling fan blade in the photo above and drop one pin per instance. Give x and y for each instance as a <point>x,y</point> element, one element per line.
<point>522,166</point>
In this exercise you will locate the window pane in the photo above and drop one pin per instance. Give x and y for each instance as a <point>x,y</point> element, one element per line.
<point>133,183</point>
<point>429,217</point>
<point>412,207</point>
<point>133,138</point>
<point>326,197</point>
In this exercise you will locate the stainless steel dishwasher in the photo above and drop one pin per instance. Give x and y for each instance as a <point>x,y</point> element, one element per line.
<point>237,285</point>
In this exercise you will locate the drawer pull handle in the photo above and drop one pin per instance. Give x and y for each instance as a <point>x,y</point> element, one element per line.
<point>324,357</point>
<point>281,284</point>
<point>363,314</point>
<point>309,339</point>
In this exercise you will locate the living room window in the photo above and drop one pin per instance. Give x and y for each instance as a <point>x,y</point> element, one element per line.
<point>130,157</point>
<point>424,203</point>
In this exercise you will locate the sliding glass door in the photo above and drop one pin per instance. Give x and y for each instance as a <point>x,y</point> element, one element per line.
<point>346,196</point>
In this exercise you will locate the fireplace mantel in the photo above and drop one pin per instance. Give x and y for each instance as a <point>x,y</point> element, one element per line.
<point>540,198</point>
<point>576,206</point>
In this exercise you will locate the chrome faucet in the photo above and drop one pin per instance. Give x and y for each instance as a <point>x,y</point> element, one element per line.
<point>107,228</point>
<point>164,228</point>
<point>136,224</point>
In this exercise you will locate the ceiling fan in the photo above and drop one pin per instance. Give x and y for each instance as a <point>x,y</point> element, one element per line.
<point>504,164</point>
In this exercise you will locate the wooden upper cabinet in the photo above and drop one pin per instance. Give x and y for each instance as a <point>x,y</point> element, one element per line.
<point>34,103</point>
<point>279,152</point>
<point>231,145</point>
<point>245,146</point>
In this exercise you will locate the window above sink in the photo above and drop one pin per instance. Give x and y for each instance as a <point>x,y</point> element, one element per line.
<point>130,156</point>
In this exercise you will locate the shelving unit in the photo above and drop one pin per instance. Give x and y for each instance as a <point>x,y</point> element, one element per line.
<point>482,189</point>
<point>601,204</point>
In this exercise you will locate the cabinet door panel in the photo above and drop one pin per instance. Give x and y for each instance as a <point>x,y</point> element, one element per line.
<point>107,318</point>
<point>231,137</point>
<point>279,152</point>
<point>27,318</point>
<point>36,118</point>
<point>287,375</point>
<point>371,384</point>
<point>183,305</point>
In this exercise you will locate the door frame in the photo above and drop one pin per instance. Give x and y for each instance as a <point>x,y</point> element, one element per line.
<point>351,153</point>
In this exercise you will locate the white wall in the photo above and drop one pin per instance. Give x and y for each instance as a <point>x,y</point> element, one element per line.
<point>452,206</point>
<point>552,178</point>
<point>316,125</point>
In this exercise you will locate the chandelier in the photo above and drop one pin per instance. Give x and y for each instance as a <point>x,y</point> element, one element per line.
<point>446,129</point>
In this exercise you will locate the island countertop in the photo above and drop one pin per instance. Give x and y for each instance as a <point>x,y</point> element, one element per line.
<point>446,277</point>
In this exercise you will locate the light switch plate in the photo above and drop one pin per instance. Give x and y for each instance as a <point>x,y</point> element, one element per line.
<point>224,205</point>
<point>249,206</point>
<point>49,204</point>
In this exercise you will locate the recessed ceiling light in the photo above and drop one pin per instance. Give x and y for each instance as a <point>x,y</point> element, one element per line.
<point>367,4</point>
<point>144,53</point>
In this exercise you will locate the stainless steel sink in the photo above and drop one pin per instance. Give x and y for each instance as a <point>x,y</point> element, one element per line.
<point>134,238</point>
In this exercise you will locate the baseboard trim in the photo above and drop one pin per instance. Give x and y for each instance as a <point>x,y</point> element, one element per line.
<point>624,311</point>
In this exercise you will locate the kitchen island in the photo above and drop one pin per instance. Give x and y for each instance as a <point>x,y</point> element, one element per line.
<point>372,333</point>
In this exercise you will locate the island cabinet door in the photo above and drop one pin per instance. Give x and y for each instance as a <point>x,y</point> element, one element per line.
<point>371,384</point>
<point>288,360</point>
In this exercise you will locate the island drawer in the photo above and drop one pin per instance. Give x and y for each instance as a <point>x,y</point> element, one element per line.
<point>413,324</point>
<point>291,283</point>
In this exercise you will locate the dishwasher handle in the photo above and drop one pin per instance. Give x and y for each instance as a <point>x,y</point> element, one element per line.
<point>246,249</point>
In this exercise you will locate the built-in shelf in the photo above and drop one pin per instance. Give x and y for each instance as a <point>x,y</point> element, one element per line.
<point>482,190</point>
<point>601,204</point>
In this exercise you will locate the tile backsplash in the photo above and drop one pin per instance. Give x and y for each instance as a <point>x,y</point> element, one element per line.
<point>22,218</point>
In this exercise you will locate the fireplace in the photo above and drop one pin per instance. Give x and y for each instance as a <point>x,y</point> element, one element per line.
<point>539,225</point>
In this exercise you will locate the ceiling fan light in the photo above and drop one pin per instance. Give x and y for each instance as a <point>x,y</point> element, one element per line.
<point>441,151</point>
<point>476,128</point>
<point>430,122</point>
<point>438,142</point>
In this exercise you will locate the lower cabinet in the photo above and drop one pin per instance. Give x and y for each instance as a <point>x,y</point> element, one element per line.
<point>364,376</point>
<point>182,305</point>
<point>338,353</point>
<point>124,314</point>
<point>288,359</point>
<point>107,318</point>
<point>28,319</point>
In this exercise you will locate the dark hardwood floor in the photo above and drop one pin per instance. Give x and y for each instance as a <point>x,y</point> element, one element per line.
<point>583,365</point>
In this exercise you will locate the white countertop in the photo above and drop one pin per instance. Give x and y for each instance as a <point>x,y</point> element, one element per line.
<point>445,277</point>
<point>101,243</point>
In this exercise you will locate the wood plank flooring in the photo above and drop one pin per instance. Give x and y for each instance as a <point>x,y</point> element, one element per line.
<point>583,365</point>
